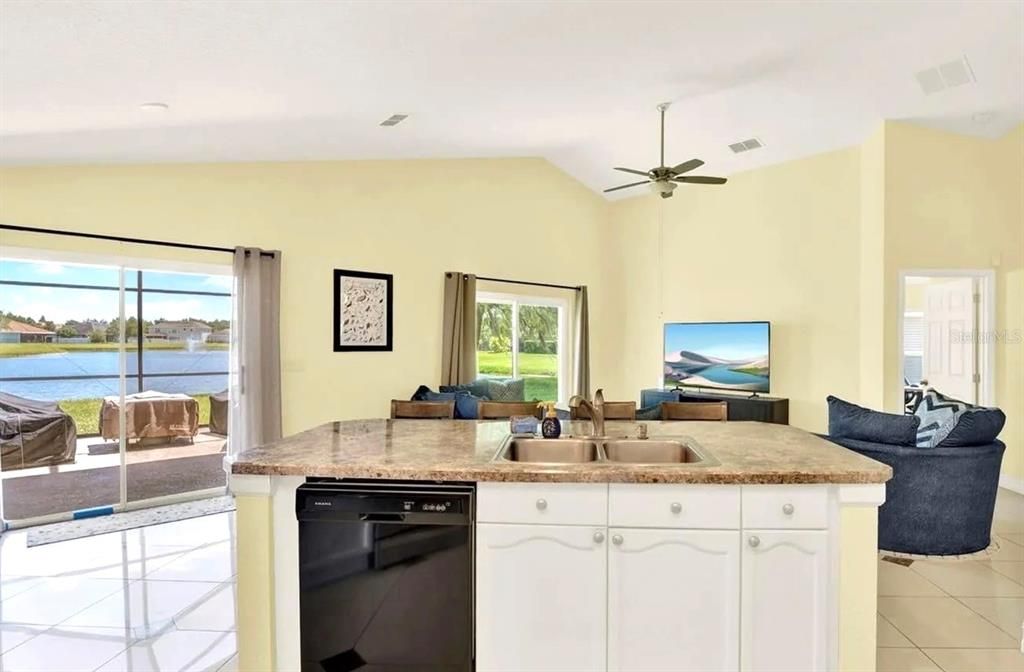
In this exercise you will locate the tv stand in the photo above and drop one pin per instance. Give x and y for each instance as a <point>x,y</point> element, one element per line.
<point>741,406</point>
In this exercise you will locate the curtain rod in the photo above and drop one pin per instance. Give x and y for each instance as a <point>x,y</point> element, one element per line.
<point>123,239</point>
<point>531,284</point>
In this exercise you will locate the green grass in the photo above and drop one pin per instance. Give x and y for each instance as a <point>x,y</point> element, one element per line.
<point>539,370</point>
<point>86,412</point>
<point>530,364</point>
<point>22,349</point>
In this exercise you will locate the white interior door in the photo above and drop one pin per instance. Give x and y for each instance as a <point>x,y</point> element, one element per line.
<point>949,363</point>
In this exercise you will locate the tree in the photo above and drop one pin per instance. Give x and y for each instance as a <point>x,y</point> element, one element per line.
<point>494,327</point>
<point>131,329</point>
<point>98,336</point>
<point>538,324</point>
<point>67,331</point>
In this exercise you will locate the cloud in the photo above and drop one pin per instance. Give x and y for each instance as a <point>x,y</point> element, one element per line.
<point>219,281</point>
<point>48,268</point>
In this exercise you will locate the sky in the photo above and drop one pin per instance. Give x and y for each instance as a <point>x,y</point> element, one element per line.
<point>61,304</point>
<point>725,340</point>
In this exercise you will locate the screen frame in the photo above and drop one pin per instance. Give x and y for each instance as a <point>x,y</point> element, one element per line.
<point>664,335</point>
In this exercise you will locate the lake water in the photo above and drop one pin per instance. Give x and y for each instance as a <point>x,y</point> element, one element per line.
<point>106,363</point>
<point>721,373</point>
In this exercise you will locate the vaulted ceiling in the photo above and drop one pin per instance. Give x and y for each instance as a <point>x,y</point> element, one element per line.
<point>575,82</point>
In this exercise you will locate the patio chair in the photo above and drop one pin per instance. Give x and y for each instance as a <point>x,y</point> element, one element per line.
<point>34,434</point>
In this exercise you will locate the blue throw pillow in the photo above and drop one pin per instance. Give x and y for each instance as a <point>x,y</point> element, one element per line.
<point>465,403</point>
<point>977,426</point>
<point>950,422</point>
<point>511,389</point>
<point>478,388</point>
<point>850,421</point>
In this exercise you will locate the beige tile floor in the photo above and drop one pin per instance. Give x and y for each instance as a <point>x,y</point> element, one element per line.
<point>154,599</point>
<point>957,616</point>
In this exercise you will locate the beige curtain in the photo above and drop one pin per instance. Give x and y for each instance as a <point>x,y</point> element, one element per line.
<point>255,376</point>
<point>458,338</point>
<point>581,361</point>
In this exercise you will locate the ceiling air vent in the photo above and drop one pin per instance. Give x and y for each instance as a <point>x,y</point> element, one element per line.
<point>394,120</point>
<point>946,76</point>
<point>746,145</point>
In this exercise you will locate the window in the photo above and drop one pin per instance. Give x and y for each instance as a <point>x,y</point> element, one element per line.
<point>913,347</point>
<point>524,337</point>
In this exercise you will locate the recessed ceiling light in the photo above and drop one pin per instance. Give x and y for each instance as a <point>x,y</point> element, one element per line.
<point>394,120</point>
<point>154,107</point>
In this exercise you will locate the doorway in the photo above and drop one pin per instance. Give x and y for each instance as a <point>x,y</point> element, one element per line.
<point>943,321</point>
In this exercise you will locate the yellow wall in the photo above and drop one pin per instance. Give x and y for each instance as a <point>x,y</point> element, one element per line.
<point>510,218</point>
<point>778,244</point>
<point>814,245</point>
<point>954,201</point>
<point>255,559</point>
<point>858,598</point>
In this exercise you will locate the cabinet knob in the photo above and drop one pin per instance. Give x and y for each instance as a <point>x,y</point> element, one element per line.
<point>598,537</point>
<point>787,509</point>
<point>754,542</point>
<point>676,507</point>
<point>542,504</point>
<point>617,539</point>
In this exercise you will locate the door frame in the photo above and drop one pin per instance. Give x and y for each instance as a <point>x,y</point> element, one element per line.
<point>986,354</point>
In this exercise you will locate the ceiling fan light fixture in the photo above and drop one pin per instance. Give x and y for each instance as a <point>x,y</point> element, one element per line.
<point>660,187</point>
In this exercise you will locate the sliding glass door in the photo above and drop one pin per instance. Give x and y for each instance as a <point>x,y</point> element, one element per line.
<point>180,365</point>
<point>108,375</point>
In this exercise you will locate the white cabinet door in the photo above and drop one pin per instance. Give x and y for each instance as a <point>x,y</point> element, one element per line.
<point>541,598</point>
<point>673,600</point>
<point>785,619</point>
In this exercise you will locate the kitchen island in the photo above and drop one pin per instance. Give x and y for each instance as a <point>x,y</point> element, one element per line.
<point>760,555</point>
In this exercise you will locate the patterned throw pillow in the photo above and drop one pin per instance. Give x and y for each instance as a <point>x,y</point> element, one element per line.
<point>939,415</point>
<point>510,389</point>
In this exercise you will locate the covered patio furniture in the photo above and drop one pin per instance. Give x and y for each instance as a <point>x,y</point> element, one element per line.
<point>150,415</point>
<point>34,434</point>
<point>219,413</point>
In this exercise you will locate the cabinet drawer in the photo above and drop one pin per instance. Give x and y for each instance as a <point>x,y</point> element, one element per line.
<point>680,506</point>
<point>543,503</point>
<point>785,507</point>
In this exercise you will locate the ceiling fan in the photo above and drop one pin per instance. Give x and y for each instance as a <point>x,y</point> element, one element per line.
<point>663,179</point>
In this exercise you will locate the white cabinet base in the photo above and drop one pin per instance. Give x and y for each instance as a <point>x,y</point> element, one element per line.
<point>673,600</point>
<point>541,600</point>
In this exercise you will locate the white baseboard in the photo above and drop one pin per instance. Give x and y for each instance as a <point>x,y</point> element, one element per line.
<point>1013,483</point>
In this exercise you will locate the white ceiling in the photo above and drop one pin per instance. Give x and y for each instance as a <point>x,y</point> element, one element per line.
<point>575,82</point>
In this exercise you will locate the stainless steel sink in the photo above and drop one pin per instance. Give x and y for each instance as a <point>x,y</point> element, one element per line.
<point>551,451</point>
<point>650,451</point>
<point>603,451</point>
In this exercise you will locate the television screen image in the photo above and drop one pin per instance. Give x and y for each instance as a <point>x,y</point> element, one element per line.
<point>722,355</point>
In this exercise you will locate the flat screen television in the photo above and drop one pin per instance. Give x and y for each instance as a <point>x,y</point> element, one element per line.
<point>719,355</point>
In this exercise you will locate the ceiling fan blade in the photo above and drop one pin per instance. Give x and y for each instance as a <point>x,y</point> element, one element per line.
<point>635,172</point>
<point>687,166</point>
<point>699,179</point>
<point>626,186</point>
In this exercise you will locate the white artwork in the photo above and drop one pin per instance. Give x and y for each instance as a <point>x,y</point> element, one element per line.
<point>363,311</point>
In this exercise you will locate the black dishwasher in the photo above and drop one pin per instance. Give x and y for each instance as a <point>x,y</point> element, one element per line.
<point>385,576</point>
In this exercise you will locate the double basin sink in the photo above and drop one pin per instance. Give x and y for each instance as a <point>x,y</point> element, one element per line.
<point>603,450</point>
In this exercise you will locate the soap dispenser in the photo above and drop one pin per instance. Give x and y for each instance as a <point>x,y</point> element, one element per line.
<point>551,427</point>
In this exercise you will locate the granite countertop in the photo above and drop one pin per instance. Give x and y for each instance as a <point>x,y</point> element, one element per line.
<point>462,450</point>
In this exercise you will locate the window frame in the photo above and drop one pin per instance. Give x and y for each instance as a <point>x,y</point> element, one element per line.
<point>564,350</point>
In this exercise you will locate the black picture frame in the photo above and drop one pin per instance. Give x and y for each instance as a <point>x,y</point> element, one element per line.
<point>339,275</point>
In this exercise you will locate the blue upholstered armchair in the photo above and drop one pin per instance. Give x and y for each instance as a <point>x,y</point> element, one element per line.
<point>940,500</point>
